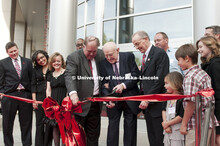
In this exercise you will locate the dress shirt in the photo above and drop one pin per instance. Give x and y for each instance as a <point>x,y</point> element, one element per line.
<point>147,52</point>
<point>95,79</point>
<point>20,86</point>
<point>117,65</point>
<point>173,61</point>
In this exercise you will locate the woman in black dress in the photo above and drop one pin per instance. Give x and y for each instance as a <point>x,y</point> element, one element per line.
<point>56,86</point>
<point>209,49</point>
<point>38,88</point>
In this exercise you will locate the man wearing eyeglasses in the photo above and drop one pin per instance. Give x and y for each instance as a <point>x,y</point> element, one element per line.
<point>120,73</point>
<point>81,77</point>
<point>79,43</point>
<point>155,66</point>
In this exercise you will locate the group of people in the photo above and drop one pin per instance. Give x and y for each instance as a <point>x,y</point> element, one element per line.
<point>91,72</point>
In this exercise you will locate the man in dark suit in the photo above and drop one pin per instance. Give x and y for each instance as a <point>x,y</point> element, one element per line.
<point>155,66</point>
<point>81,79</point>
<point>121,74</point>
<point>15,80</point>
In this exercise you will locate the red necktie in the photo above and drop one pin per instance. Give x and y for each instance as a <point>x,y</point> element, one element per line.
<point>90,65</point>
<point>143,62</point>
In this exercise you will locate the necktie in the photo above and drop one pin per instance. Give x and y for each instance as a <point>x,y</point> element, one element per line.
<point>143,62</point>
<point>90,65</point>
<point>18,70</point>
<point>116,70</point>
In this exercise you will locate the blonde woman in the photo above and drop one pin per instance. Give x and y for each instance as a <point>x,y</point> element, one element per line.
<point>56,87</point>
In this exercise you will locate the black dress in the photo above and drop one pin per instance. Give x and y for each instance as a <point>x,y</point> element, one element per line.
<point>213,70</point>
<point>38,86</point>
<point>58,87</point>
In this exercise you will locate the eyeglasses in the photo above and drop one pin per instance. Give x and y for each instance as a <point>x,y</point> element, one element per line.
<point>137,44</point>
<point>79,45</point>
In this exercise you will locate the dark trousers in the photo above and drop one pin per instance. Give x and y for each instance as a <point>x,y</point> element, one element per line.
<point>91,124</point>
<point>44,134</point>
<point>130,125</point>
<point>9,110</point>
<point>154,130</point>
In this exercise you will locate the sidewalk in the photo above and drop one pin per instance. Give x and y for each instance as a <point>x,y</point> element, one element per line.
<point>142,139</point>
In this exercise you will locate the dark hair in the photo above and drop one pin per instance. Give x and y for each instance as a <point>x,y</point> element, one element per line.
<point>34,57</point>
<point>51,61</point>
<point>187,50</point>
<point>90,39</point>
<point>213,45</point>
<point>176,81</point>
<point>10,45</point>
<point>215,29</point>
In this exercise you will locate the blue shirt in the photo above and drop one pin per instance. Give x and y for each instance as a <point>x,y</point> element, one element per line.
<point>173,62</point>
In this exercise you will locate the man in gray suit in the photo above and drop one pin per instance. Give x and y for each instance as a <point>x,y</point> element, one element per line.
<point>82,81</point>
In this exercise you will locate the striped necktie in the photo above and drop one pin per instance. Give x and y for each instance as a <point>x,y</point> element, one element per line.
<point>143,62</point>
<point>18,68</point>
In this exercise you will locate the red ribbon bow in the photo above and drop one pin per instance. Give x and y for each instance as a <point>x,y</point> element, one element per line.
<point>72,133</point>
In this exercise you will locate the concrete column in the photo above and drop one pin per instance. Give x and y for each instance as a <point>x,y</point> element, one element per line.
<point>5,18</point>
<point>99,8</point>
<point>62,26</point>
<point>19,36</point>
<point>205,13</point>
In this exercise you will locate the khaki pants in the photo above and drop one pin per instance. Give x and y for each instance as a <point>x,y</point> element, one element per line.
<point>190,138</point>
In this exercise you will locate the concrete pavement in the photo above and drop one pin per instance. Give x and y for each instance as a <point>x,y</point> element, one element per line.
<point>142,139</point>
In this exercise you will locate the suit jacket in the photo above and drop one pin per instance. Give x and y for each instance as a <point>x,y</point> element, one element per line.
<point>213,69</point>
<point>155,69</point>
<point>127,68</point>
<point>78,66</point>
<point>9,79</point>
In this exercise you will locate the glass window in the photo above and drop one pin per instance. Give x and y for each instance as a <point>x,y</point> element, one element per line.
<point>80,15</point>
<point>109,31</point>
<point>126,7</point>
<point>149,5</point>
<point>91,11</point>
<point>79,1</point>
<point>125,30</point>
<point>80,33</point>
<point>138,6</point>
<point>110,8</point>
<point>176,24</point>
<point>90,30</point>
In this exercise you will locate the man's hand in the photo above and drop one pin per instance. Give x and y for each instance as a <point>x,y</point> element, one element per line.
<point>1,96</point>
<point>143,104</point>
<point>119,88</point>
<point>74,98</point>
<point>110,104</point>
<point>106,85</point>
<point>183,129</point>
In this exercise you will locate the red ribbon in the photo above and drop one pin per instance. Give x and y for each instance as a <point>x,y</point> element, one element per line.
<point>22,99</point>
<point>154,97</point>
<point>72,133</point>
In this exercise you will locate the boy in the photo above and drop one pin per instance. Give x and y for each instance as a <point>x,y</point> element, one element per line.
<point>195,79</point>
